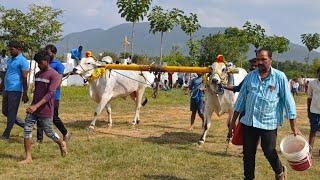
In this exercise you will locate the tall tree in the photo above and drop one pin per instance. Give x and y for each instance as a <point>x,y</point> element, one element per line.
<point>311,41</point>
<point>255,34</point>
<point>190,25</point>
<point>163,21</point>
<point>133,11</point>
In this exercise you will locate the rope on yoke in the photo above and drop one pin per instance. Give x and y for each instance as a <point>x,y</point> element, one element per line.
<point>132,78</point>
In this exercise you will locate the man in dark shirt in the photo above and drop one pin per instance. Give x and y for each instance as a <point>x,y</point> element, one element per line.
<point>57,66</point>
<point>41,110</point>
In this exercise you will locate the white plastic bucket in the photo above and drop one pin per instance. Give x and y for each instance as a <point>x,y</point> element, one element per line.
<point>296,150</point>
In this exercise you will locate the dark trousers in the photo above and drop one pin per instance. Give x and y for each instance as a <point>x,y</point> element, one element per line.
<point>10,106</point>
<point>2,75</point>
<point>268,144</point>
<point>56,121</point>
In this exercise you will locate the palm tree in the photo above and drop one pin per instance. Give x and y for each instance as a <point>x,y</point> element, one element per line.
<point>162,22</point>
<point>133,11</point>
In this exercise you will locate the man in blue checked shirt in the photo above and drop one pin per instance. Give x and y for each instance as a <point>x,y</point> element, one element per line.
<point>264,95</point>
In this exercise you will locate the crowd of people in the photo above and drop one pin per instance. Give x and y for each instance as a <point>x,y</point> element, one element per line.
<point>44,108</point>
<point>265,96</point>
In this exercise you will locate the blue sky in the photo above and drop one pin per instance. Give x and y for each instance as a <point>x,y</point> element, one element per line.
<point>289,18</point>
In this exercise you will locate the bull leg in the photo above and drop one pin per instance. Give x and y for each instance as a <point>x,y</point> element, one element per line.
<point>108,108</point>
<point>138,101</point>
<point>207,123</point>
<point>104,101</point>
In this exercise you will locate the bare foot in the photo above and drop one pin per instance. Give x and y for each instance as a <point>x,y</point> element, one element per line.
<point>190,128</point>
<point>63,148</point>
<point>26,161</point>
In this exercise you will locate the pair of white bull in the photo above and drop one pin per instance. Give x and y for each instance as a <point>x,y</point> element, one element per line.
<point>120,83</point>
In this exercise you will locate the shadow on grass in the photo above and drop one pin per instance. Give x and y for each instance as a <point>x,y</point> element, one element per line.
<point>9,156</point>
<point>83,124</point>
<point>160,177</point>
<point>163,126</point>
<point>174,138</point>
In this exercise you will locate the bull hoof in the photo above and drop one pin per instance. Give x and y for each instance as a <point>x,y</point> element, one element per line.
<point>201,142</point>
<point>90,129</point>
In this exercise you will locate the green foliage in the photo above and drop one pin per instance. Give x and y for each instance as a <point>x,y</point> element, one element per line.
<point>190,24</point>
<point>293,69</point>
<point>311,41</point>
<point>231,44</point>
<point>194,51</point>
<point>176,57</point>
<point>133,11</point>
<point>140,59</point>
<point>34,29</point>
<point>162,22</point>
<point>255,34</point>
<point>277,44</point>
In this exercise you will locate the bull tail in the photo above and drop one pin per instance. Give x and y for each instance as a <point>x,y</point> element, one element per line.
<point>144,102</point>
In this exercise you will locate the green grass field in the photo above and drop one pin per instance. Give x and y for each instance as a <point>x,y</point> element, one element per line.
<point>161,147</point>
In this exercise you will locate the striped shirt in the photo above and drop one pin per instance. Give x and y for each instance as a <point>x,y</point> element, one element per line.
<point>265,100</point>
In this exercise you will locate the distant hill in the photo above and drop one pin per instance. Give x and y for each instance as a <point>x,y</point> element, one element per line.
<point>99,40</point>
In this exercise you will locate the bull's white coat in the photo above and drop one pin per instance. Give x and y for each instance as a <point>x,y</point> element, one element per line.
<point>114,84</point>
<point>219,103</point>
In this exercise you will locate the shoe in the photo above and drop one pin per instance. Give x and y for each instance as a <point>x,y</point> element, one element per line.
<point>67,137</point>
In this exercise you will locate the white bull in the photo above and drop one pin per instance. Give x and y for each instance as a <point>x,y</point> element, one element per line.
<point>217,100</point>
<point>106,85</point>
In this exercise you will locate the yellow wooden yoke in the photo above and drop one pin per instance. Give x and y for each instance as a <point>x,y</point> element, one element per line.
<point>157,68</point>
<point>101,70</point>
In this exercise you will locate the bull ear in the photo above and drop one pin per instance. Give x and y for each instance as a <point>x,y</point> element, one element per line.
<point>97,64</point>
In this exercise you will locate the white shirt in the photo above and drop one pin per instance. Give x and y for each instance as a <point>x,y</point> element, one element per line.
<point>3,63</point>
<point>314,94</point>
<point>295,85</point>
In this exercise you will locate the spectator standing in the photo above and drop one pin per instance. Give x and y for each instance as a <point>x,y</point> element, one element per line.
<point>196,99</point>
<point>55,64</point>
<point>3,67</point>
<point>76,54</point>
<point>313,104</point>
<point>15,85</point>
<point>264,95</point>
<point>47,80</point>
